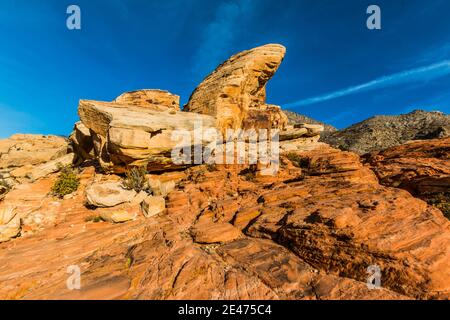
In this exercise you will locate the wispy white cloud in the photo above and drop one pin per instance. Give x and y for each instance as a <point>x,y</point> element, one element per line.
<point>421,74</point>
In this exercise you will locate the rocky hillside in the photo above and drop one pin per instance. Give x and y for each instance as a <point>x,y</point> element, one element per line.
<point>381,132</point>
<point>295,117</point>
<point>113,202</point>
<point>420,167</point>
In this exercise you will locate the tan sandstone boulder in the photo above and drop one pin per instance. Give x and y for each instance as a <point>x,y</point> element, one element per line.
<point>108,194</point>
<point>150,98</point>
<point>137,136</point>
<point>237,85</point>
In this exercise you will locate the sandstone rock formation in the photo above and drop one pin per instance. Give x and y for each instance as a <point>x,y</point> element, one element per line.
<point>420,167</point>
<point>108,194</point>
<point>158,100</point>
<point>24,156</point>
<point>136,128</point>
<point>308,233</point>
<point>212,231</point>
<point>127,135</point>
<point>237,86</point>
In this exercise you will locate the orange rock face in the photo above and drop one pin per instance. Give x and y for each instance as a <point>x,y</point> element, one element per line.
<point>153,99</point>
<point>420,167</point>
<point>237,85</point>
<point>310,232</point>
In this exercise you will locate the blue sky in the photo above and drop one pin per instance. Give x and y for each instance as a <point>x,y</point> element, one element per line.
<point>335,70</point>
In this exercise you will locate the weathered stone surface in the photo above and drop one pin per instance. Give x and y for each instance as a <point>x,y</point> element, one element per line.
<point>27,149</point>
<point>150,98</point>
<point>10,225</point>
<point>208,232</point>
<point>307,233</point>
<point>47,168</point>
<point>153,205</point>
<point>236,86</point>
<point>108,194</point>
<point>82,142</point>
<point>420,167</point>
<point>119,214</point>
<point>136,136</point>
<point>265,117</point>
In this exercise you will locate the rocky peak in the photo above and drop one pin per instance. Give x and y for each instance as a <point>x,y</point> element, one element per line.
<point>237,85</point>
<point>381,132</point>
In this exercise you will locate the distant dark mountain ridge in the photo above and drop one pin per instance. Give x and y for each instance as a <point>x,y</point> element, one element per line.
<point>381,132</point>
<point>295,117</point>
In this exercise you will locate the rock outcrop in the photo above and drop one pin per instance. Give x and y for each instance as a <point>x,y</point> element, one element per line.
<point>128,135</point>
<point>137,128</point>
<point>237,86</point>
<point>381,132</point>
<point>25,156</point>
<point>154,99</point>
<point>420,167</point>
<point>310,232</point>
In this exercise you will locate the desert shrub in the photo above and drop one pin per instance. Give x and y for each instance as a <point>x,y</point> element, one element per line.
<point>93,218</point>
<point>211,167</point>
<point>135,179</point>
<point>66,183</point>
<point>440,201</point>
<point>297,160</point>
<point>249,173</point>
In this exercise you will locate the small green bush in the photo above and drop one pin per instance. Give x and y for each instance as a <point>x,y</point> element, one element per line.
<point>297,160</point>
<point>66,183</point>
<point>249,173</point>
<point>135,179</point>
<point>93,218</point>
<point>440,201</point>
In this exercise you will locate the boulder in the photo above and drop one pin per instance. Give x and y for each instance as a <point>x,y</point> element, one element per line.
<point>136,136</point>
<point>236,86</point>
<point>265,116</point>
<point>153,205</point>
<point>118,215</point>
<point>154,99</point>
<point>82,142</point>
<point>108,194</point>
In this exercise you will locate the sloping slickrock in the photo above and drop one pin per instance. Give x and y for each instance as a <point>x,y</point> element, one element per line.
<point>28,149</point>
<point>135,136</point>
<point>214,232</point>
<point>237,85</point>
<point>150,98</point>
<point>158,259</point>
<point>420,167</point>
